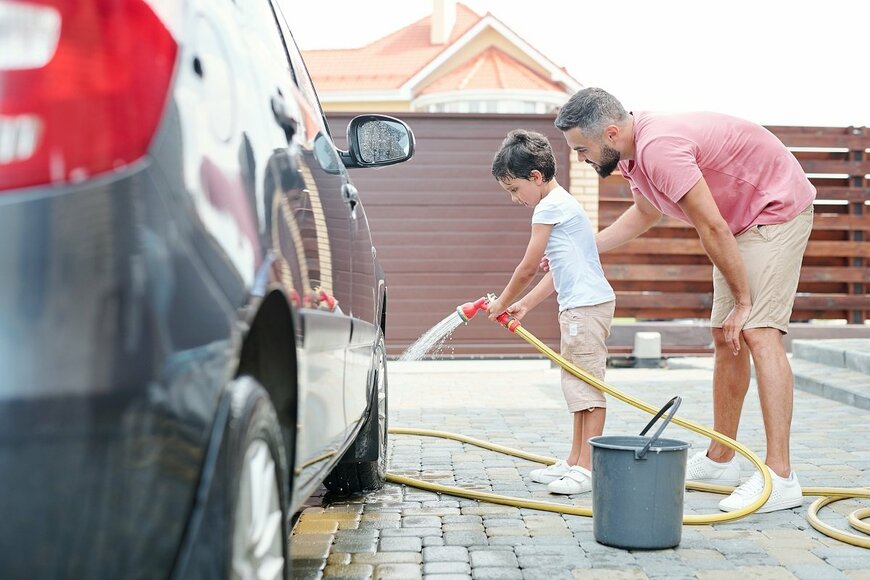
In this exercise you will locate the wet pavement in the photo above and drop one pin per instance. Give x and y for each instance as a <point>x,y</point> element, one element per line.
<point>403,532</point>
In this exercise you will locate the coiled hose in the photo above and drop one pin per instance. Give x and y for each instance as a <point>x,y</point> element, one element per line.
<point>827,495</point>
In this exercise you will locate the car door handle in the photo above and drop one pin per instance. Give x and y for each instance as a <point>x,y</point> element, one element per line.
<point>351,196</point>
<point>350,193</point>
<point>285,121</point>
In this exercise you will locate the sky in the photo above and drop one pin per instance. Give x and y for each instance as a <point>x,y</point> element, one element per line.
<point>775,62</point>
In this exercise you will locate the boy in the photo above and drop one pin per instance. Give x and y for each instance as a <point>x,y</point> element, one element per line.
<point>525,167</point>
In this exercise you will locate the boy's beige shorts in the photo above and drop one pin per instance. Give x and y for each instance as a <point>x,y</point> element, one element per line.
<point>773,255</point>
<point>584,331</point>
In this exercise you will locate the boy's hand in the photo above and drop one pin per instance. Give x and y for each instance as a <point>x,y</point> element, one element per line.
<point>544,265</point>
<point>517,310</point>
<point>494,308</point>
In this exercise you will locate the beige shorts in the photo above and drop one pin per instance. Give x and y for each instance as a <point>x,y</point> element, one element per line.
<point>773,255</point>
<point>584,331</point>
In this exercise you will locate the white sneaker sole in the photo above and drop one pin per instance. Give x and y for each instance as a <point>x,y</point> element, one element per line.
<point>783,504</point>
<point>568,491</point>
<point>545,479</point>
<point>731,482</point>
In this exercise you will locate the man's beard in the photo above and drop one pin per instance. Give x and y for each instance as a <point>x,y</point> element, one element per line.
<point>609,160</point>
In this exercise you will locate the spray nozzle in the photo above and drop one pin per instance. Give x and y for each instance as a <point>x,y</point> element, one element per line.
<point>469,309</point>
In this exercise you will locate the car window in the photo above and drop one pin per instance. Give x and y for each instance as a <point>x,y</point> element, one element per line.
<point>324,148</point>
<point>300,71</point>
<point>258,17</point>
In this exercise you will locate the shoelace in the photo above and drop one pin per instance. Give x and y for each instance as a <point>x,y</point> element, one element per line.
<point>697,467</point>
<point>753,486</point>
<point>577,475</point>
<point>556,466</point>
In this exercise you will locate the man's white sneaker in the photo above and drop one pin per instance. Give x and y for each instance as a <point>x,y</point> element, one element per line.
<point>702,469</point>
<point>576,480</point>
<point>550,473</point>
<point>786,494</point>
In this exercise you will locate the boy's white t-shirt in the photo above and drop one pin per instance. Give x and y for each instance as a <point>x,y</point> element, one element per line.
<point>577,273</point>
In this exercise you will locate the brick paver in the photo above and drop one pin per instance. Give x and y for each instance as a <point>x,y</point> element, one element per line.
<point>401,532</point>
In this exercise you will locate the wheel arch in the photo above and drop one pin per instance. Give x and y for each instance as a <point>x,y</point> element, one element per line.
<point>269,355</point>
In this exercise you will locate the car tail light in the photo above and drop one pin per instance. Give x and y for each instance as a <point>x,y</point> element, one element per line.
<point>83,84</point>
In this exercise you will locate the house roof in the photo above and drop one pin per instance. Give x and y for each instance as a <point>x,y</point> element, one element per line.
<point>386,63</point>
<point>406,60</point>
<point>492,69</point>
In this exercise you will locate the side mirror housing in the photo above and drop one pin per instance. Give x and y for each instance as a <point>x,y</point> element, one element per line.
<point>376,141</point>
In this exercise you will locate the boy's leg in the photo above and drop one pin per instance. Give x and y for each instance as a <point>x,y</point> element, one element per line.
<point>588,423</point>
<point>592,425</point>
<point>576,438</point>
<point>584,331</point>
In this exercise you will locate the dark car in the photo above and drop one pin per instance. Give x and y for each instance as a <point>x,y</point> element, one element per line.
<point>191,308</point>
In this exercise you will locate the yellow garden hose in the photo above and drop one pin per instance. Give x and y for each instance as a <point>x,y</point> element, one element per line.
<point>829,494</point>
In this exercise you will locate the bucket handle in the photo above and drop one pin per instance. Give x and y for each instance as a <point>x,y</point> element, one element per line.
<point>675,403</point>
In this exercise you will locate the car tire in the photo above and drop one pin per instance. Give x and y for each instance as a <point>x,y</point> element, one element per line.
<point>357,476</point>
<point>257,486</point>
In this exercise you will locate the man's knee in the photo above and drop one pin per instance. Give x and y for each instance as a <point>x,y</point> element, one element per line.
<point>758,339</point>
<point>720,342</point>
<point>718,338</point>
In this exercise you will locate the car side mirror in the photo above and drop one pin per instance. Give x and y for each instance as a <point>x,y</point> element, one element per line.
<point>376,141</point>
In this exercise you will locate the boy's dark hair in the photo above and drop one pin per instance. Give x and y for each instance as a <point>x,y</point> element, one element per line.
<point>521,153</point>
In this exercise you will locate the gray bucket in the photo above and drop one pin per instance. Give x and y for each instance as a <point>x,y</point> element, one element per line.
<point>637,487</point>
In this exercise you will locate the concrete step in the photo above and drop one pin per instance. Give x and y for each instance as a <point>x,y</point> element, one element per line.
<point>846,353</point>
<point>837,383</point>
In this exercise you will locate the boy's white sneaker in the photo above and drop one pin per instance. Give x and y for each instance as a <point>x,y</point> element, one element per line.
<point>550,473</point>
<point>702,469</point>
<point>786,494</point>
<point>576,480</point>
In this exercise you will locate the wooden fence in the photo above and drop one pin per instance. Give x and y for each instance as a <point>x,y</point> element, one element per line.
<point>446,233</point>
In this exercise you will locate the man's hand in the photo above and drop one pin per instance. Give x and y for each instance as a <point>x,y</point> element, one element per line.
<point>517,310</point>
<point>544,265</point>
<point>733,325</point>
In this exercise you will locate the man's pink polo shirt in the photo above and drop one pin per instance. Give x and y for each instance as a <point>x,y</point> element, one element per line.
<point>753,177</point>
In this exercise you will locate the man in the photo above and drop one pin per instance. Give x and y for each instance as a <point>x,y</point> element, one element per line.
<point>752,207</point>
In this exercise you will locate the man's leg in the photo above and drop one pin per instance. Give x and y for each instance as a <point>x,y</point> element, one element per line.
<point>730,384</point>
<point>776,393</point>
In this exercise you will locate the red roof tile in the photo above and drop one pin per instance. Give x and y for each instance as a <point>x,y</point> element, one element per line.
<point>492,69</point>
<point>386,63</point>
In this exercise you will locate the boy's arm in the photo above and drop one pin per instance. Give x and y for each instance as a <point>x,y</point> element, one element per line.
<point>537,295</point>
<point>525,272</point>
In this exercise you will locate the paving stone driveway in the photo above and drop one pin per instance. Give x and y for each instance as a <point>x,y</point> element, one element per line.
<point>402,532</point>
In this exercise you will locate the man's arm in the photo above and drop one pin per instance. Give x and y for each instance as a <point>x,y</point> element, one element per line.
<point>636,220</point>
<point>525,272</point>
<point>721,247</point>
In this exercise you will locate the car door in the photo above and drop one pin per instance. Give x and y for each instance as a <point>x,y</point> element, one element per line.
<point>367,289</point>
<point>309,229</point>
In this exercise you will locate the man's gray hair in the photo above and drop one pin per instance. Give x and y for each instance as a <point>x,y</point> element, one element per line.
<point>590,110</point>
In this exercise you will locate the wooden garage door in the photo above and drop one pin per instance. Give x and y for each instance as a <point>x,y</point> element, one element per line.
<point>446,233</point>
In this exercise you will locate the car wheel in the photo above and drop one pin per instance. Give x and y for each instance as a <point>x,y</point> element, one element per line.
<point>353,475</point>
<point>259,510</point>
